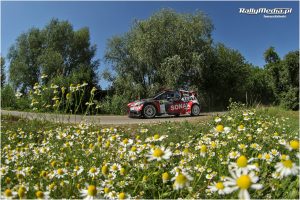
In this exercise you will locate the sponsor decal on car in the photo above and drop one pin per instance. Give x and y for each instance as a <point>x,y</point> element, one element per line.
<point>179,106</point>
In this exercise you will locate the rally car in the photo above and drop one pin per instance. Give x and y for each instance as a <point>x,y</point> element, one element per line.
<point>171,102</point>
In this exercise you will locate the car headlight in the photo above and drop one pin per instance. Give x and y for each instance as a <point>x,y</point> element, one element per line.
<point>138,103</point>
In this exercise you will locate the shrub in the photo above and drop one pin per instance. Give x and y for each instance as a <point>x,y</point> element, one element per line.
<point>290,99</point>
<point>8,98</point>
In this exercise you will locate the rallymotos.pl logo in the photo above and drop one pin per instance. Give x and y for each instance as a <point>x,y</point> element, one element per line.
<point>268,13</point>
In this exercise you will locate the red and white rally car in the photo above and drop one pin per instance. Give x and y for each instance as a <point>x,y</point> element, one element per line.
<point>171,102</point>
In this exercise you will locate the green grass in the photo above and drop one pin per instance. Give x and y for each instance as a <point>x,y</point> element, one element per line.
<point>44,142</point>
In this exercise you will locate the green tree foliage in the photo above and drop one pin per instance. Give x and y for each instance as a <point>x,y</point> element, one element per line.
<point>57,50</point>
<point>158,52</point>
<point>226,77</point>
<point>289,78</point>
<point>3,75</point>
<point>168,50</point>
<point>172,50</point>
<point>283,76</point>
<point>24,67</point>
<point>271,56</point>
<point>258,88</point>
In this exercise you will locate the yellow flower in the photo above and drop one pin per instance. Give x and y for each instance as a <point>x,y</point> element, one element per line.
<point>122,171</point>
<point>21,192</point>
<point>104,169</point>
<point>39,195</point>
<point>165,177</point>
<point>156,136</point>
<point>181,180</point>
<point>294,144</point>
<point>106,190</point>
<point>242,161</point>
<point>122,195</point>
<point>92,190</point>
<point>243,182</point>
<point>8,193</point>
<point>203,148</point>
<point>219,128</point>
<point>220,185</point>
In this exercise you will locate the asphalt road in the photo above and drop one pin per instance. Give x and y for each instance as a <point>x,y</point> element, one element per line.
<point>106,119</point>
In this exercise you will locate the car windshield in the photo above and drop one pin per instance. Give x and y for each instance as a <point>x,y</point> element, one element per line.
<point>167,95</point>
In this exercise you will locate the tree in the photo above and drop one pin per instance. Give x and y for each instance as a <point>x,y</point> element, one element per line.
<point>289,78</point>
<point>226,77</point>
<point>3,76</point>
<point>160,52</point>
<point>57,51</point>
<point>273,67</point>
<point>24,67</point>
<point>283,77</point>
<point>271,56</point>
<point>258,88</point>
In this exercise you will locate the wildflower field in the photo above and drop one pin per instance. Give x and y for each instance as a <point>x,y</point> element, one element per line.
<point>245,153</point>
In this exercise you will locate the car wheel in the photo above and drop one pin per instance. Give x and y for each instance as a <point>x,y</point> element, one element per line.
<point>149,111</point>
<point>195,110</point>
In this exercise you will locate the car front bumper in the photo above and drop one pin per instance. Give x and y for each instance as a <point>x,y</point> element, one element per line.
<point>135,111</point>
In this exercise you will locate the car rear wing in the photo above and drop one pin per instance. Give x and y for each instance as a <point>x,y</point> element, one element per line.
<point>188,93</point>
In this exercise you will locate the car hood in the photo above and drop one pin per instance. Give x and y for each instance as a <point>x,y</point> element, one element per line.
<point>140,101</point>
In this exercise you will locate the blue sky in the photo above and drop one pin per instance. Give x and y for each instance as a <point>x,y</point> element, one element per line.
<point>249,34</point>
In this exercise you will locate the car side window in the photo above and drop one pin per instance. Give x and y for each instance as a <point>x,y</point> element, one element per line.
<point>161,97</point>
<point>167,95</point>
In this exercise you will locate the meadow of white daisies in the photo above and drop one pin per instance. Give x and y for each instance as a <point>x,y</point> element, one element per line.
<point>245,153</point>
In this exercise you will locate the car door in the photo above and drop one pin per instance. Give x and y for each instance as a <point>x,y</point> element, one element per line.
<point>173,103</point>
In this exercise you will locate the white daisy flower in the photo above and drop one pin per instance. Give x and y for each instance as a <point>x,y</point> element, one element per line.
<point>123,195</point>
<point>126,142</point>
<point>218,119</point>
<point>218,187</point>
<point>221,129</point>
<point>293,145</point>
<point>241,128</point>
<point>245,114</point>
<point>243,182</point>
<point>181,180</point>
<point>78,170</point>
<point>93,172</point>
<point>255,146</point>
<point>156,138</point>
<point>8,194</point>
<point>159,154</point>
<point>90,193</point>
<point>276,175</point>
<point>115,167</point>
<point>267,157</point>
<point>203,150</point>
<point>274,152</point>
<point>259,130</point>
<point>3,170</point>
<point>234,154</point>
<point>60,173</point>
<point>286,168</point>
<point>229,118</point>
<point>42,195</point>
<point>246,118</point>
<point>242,165</point>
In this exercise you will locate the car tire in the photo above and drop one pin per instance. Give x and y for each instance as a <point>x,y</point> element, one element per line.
<point>195,111</point>
<point>149,111</point>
